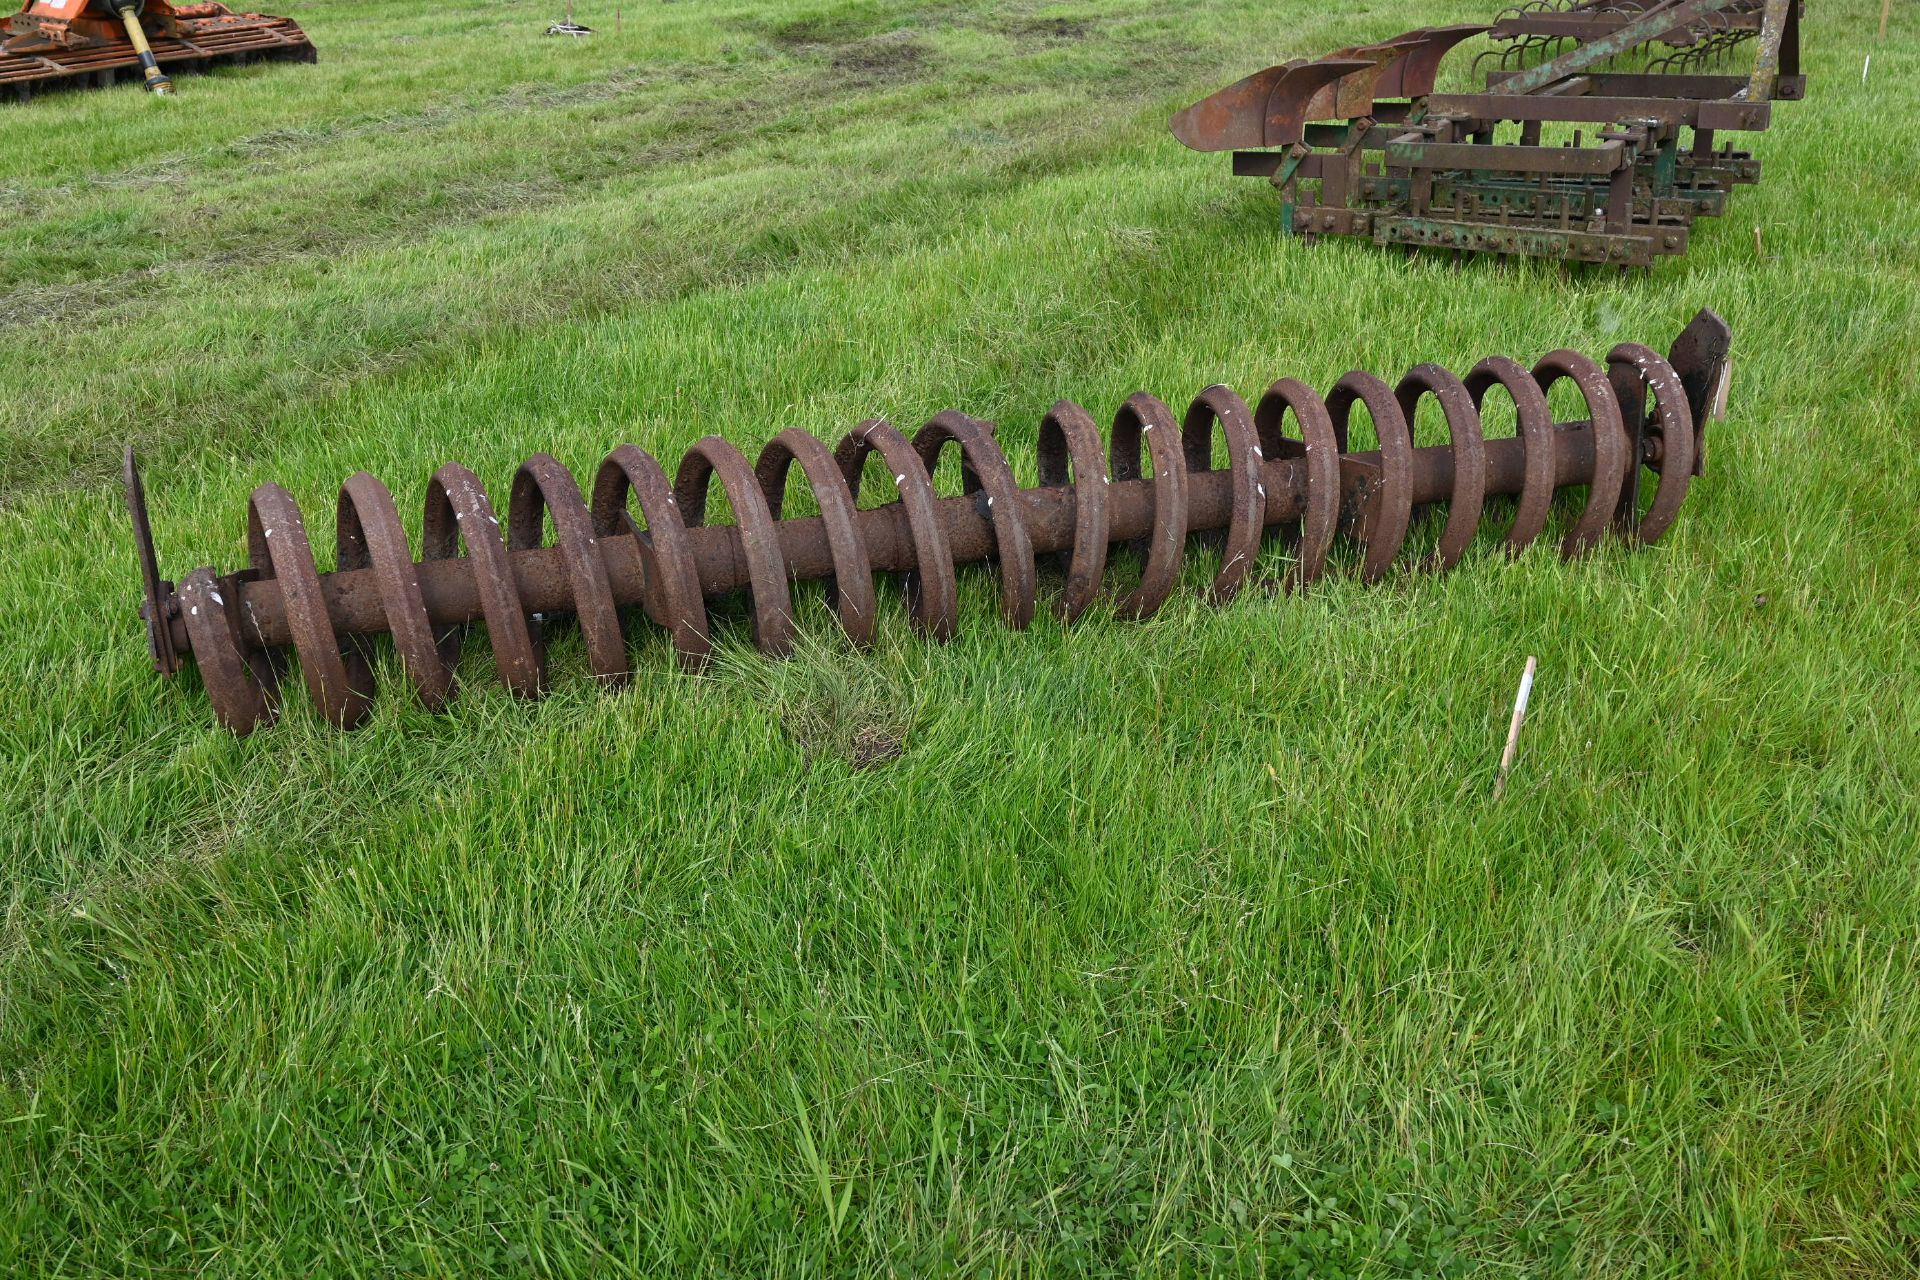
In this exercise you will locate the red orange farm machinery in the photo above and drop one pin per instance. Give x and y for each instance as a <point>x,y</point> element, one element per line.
<point>53,44</point>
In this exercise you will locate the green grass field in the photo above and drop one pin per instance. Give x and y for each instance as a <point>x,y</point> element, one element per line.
<point>1194,946</point>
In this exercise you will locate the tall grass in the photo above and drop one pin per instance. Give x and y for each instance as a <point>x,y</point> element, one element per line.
<point>1188,946</point>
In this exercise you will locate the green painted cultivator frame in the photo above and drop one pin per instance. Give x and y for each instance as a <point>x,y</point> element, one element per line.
<point>1359,143</point>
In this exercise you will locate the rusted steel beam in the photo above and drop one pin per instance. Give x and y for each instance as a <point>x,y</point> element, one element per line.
<point>1669,85</point>
<point>1766,63</point>
<point>1529,238</point>
<point>1650,26</point>
<point>1152,484</point>
<point>1589,109</point>
<point>1418,152</point>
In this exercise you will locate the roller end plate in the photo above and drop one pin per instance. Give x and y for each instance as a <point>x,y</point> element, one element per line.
<point>1700,355</point>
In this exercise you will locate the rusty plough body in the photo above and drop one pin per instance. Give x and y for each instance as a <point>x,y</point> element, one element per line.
<point>1360,143</point>
<point>1151,485</point>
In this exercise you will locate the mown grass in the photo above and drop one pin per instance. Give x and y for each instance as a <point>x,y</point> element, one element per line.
<point>1187,946</point>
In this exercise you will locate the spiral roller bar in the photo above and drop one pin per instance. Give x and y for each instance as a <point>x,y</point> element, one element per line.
<point>643,540</point>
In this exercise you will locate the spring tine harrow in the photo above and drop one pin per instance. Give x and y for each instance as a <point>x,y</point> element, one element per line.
<point>1359,142</point>
<point>1152,483</point>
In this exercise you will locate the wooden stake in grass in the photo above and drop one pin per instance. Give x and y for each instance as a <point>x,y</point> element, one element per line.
<point>1886,11</point>
<point>1513,728</point>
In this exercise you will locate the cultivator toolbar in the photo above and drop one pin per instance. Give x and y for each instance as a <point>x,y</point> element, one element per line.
<point>1360,143</point>
<point>1151,485</point>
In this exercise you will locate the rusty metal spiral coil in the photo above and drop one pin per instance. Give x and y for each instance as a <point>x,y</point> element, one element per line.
<point>1151,483</point>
